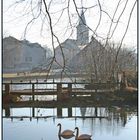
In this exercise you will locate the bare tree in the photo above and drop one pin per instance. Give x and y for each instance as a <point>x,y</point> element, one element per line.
<point>42,10</point>
<point>105,58</point>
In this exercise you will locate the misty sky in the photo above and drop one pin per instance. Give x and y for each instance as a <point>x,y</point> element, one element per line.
<point>17,16</point>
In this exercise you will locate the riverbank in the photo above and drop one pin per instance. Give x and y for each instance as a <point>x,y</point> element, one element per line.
<point>15,77</point>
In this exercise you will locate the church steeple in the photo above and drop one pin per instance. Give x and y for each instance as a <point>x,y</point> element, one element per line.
<point>82,30</point>
<point>82,19</point>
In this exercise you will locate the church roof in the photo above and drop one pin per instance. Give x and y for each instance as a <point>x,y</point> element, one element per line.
<point>69,43</point>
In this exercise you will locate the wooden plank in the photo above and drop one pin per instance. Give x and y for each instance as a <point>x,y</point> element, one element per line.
<point>37,117</point>
<point>55,92</point>
<point>22,83</point>
<point>35,93</point>
<point>100,87</point>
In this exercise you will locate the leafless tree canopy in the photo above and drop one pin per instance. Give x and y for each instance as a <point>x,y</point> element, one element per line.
<point>44,11</point>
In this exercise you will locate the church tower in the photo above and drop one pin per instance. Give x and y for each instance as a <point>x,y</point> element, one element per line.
<point>82,31</point>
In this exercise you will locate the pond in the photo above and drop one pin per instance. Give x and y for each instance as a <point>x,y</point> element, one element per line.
<point>108,123</point>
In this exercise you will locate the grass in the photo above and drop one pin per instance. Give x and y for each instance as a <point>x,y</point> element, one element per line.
<point>12,75</point>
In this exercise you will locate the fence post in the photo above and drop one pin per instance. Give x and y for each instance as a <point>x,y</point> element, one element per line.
<point>59,91</point>
<point>7,88</point>
<point>59,111</point>
<point>7,112</point>
<point>33,89</point>
<point>69,111</point>
<point>69,88</point>
<point>33,112</point>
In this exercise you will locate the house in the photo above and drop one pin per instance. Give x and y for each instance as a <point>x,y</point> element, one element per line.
<point>86,58</point>
<point>21,55</point>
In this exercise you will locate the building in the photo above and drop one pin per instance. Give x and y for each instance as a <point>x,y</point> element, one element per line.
<point>64,53</point>
<point>85,59</point>
<point>19,56</point>
<point>91,57</point>
<point>82,31</point>
<point>70,47</point>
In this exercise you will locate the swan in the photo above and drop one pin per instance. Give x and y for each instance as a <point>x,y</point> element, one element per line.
<point>83,136</point>
<point>131,89</point>
<point>126,87</point>
<point>66,133</point>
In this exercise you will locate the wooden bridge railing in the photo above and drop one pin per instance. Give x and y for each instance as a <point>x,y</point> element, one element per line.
<point>59,90</point>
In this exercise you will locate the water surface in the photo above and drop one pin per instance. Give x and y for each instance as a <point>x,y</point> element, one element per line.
<point>112,123</point>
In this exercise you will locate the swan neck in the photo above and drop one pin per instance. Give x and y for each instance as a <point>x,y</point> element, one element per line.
<point>59,132</point>
<point>77,133</point>
<point>59,137</point>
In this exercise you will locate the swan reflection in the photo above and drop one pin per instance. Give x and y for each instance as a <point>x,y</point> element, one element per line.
<point>65,137</point>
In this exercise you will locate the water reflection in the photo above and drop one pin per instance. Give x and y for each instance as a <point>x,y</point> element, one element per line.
<point>98,121</point>
<point>65,137</point>
<point>112,115</point>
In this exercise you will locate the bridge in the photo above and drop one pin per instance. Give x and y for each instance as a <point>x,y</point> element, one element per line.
<point>63,90</point>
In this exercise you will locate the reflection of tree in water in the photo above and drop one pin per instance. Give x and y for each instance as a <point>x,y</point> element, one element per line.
<point>123,116</point>
<point>83,111</point>
<point>116,118</point>
<point>100,119</point>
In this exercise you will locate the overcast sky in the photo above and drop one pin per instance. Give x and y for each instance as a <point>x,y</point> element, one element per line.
<point>17,16</point>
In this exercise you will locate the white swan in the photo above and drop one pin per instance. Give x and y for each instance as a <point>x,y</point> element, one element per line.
<point>83,136</point>
<point>66,133</point>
